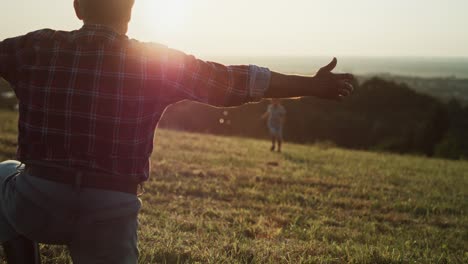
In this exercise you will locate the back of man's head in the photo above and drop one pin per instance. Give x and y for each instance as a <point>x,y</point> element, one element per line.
<point>104,11</point>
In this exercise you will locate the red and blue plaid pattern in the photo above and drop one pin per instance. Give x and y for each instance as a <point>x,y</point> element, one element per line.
<point>92,98</point>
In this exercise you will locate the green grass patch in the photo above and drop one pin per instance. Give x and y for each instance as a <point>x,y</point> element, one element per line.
<point>230,200</point>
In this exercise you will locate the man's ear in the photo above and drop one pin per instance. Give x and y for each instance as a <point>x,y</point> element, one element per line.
<point>77,6</point>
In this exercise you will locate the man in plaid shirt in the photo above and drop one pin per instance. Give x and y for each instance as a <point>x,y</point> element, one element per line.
<point>89,103</point>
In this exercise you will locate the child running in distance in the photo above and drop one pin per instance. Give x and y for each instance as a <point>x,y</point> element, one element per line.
<point>276,115</point>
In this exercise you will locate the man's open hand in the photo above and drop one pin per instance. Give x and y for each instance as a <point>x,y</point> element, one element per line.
<point>325,84</point>
<point>333,86</point>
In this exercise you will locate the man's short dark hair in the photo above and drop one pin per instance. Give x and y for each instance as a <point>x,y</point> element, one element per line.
<point>106,10</point>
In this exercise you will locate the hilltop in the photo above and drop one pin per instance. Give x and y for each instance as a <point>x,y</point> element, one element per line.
<point>215,199</point>
<point>443,88</point>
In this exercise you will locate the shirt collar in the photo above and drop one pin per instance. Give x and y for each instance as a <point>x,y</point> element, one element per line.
<point>101,30</point>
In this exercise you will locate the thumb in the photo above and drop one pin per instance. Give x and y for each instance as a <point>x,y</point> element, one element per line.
<point>330,66</point>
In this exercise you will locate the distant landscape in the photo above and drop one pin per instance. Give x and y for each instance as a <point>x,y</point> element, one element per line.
<point>445,89</point>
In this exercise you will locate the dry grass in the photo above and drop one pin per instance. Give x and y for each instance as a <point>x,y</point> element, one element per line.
<point>230,200</point>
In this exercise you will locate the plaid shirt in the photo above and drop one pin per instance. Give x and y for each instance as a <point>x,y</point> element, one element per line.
<point>92,98</point>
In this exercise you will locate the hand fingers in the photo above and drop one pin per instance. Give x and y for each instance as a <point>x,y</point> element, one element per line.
<point>349,87</point>
<point>345,89</point>
<point>344,93</point>
<point>330,66</point>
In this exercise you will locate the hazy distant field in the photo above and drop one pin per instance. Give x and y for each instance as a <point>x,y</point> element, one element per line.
<point>230,200</point>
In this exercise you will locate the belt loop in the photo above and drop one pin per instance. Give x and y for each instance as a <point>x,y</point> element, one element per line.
<point>78,181</point>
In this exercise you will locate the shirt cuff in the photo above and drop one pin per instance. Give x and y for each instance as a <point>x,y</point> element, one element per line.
<point>259,81</point>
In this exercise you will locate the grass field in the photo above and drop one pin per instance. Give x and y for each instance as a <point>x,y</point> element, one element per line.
<point>230,200</point>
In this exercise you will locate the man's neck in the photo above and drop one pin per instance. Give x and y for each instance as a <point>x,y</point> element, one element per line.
<point>120,28</point>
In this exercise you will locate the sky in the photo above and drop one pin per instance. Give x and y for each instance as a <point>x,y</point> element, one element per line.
<point>421,28</point>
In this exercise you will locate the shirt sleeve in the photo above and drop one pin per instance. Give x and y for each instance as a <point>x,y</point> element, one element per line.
<point>8,58</point>
<point>189,78</point>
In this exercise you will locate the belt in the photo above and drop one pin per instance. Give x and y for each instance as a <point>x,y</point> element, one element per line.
<point>82,179</point>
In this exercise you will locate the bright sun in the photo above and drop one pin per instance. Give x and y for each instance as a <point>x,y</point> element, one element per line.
<point>165,15</point>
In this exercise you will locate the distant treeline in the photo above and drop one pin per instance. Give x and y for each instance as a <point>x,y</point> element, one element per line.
<point>444,88</point>
<point>381,115</point>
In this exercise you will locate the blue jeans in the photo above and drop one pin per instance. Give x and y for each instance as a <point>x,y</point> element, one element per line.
<point>98,226</point>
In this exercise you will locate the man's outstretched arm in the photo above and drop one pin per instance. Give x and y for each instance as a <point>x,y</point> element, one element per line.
<point>324,84</point>
<point>188,78</point>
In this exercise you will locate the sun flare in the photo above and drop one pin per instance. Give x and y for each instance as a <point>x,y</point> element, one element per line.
<point>165,16</point>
